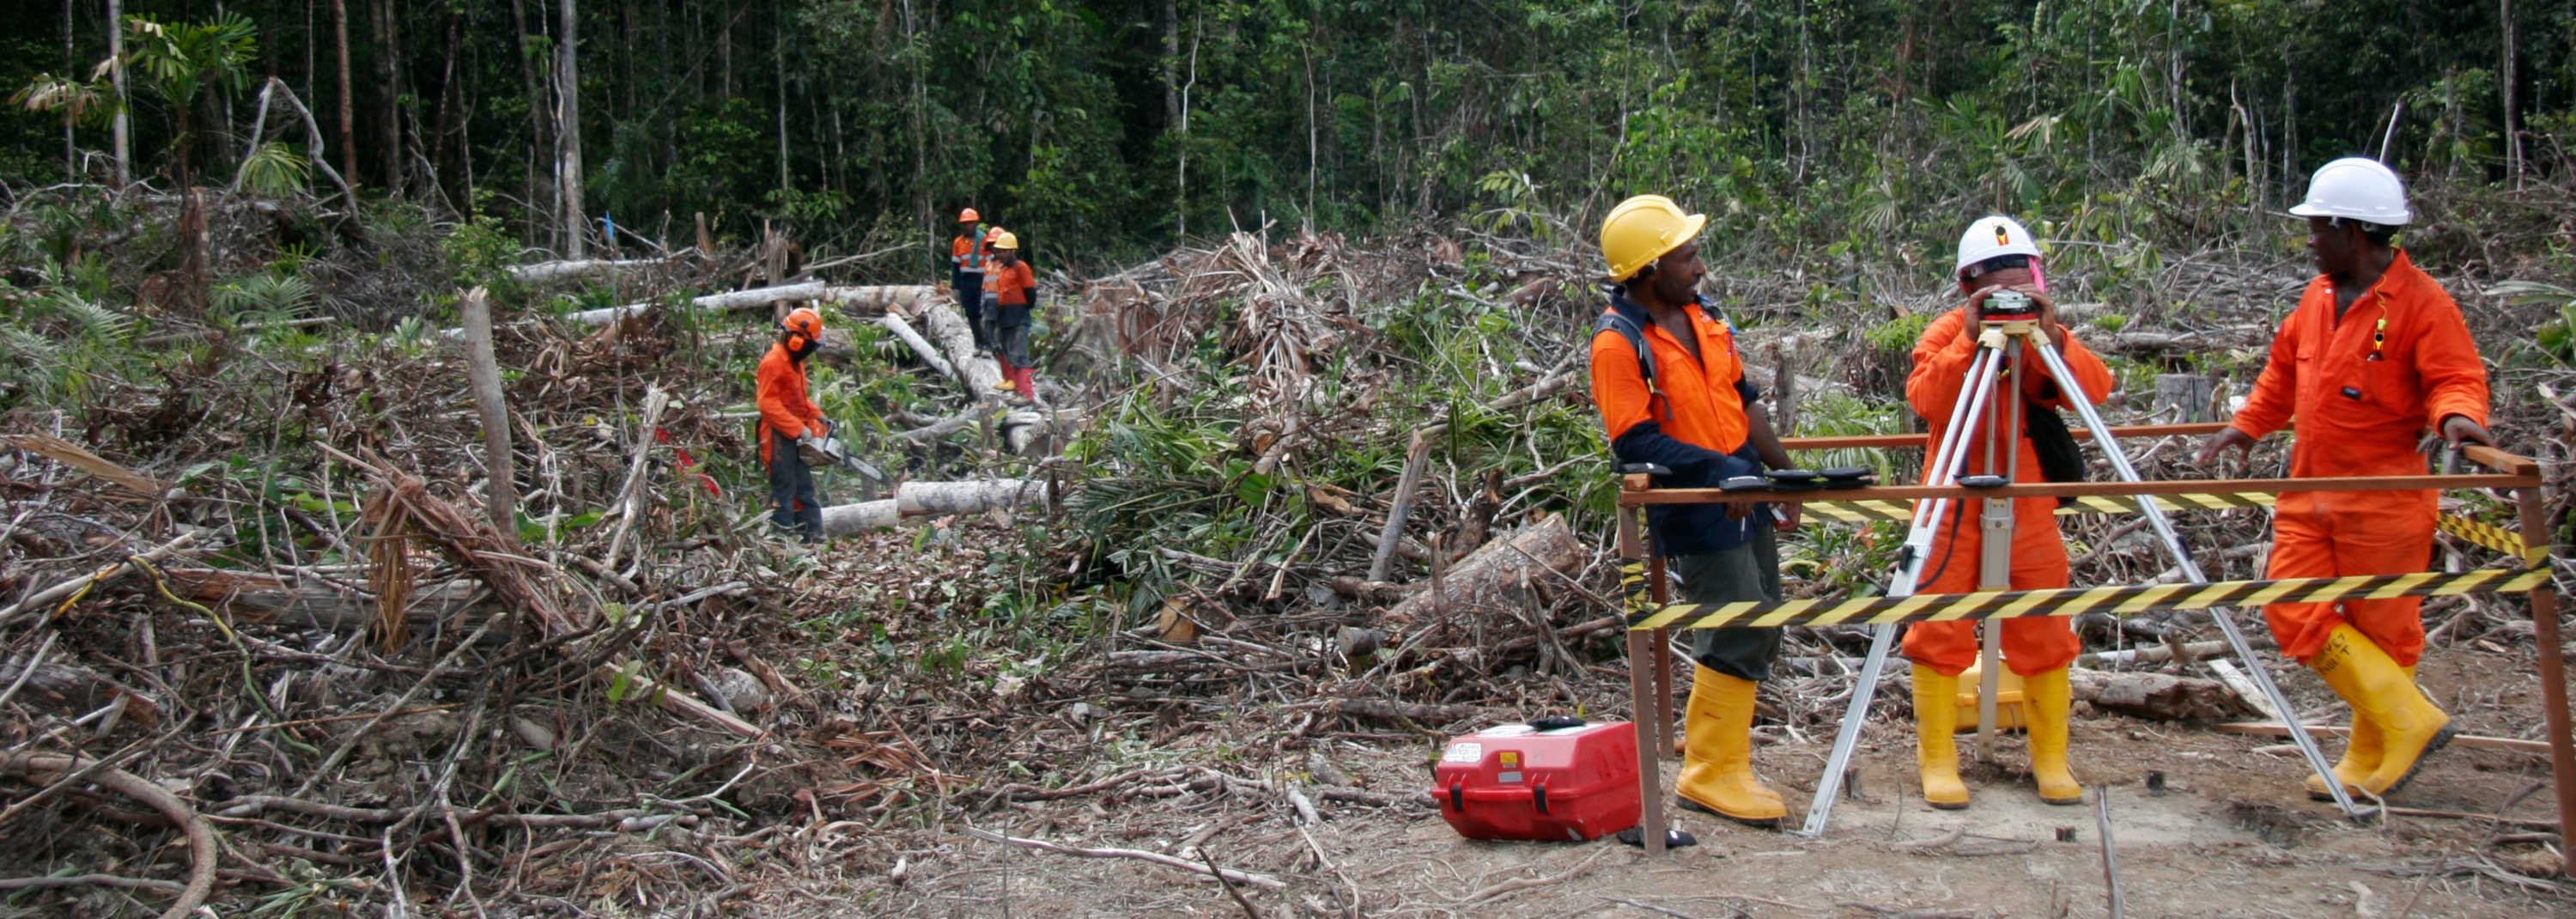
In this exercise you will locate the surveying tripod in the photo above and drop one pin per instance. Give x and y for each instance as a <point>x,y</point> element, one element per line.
<point>2010,330</point>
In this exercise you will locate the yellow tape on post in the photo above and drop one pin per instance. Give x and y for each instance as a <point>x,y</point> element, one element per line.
<point>2070,601</point>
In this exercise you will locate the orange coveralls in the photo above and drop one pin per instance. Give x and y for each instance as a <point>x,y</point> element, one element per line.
<point>2030,645</point>
<point>781,396</point>
<point>2363,388</point>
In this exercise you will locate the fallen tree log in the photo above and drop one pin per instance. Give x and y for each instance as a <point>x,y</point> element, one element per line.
<point>734,300</point>
<point>201,837</point>
<point>948,329</point>
<point>939,499</point>
<point>2157,696</point>
<point>312,603</point>
<point>920,346</point>
<point>546,272</point>
<point>1499,574</point>
<point>891,298</point>
<point>845,519</point>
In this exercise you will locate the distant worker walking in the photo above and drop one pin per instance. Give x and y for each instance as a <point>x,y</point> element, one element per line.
<point>1014,289</point>
<point>1672,393</point>
<point>968,255</point>
<point>789,420</point>
<point>1997,254</point>
<point>2375,353</point>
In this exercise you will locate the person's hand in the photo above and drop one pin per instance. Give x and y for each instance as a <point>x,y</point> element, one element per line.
<point>1976,309</point>
<point>1788,516</point>
<point>1739,510</point>
<point>2458,428</point>
<point>809,441</point>
<point>2218,443</point>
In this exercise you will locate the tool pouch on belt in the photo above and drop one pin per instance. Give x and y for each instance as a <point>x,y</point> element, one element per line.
<point>2059,459</point>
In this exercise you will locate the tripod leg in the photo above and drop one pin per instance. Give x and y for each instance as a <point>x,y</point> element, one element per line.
<point>2191,572</point>
<point>1830,786</point>
<point>1943,459</point>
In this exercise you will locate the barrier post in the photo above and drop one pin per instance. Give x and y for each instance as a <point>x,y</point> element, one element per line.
<point>2553,664</point>
<point>1650,782</point>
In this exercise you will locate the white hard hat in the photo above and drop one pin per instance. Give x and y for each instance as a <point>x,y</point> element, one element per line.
<point>1992,236</point>
<point>2357,187</point>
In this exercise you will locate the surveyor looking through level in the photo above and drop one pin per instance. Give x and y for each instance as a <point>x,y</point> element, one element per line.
<point>1687,407</point>
<point>968,255</point>
<point>2374,354</point>
<point>788,420</point>
<point>1997,256</point>
<point>1014,291</point>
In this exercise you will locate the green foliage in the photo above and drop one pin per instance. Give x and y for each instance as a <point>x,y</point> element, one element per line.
<point>2554,342</point>
<point>275,169</point>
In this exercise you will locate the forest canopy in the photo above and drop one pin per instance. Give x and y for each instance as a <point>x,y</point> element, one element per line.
<point>1106,130</point>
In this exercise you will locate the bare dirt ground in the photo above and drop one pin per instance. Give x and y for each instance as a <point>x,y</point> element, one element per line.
<point>2233,834</point>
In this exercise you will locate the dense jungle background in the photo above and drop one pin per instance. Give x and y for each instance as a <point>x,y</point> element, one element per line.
<point>289,626</point>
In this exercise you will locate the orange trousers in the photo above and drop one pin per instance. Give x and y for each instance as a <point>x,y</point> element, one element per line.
<point>2031,645</point>
<point>2323,534</point>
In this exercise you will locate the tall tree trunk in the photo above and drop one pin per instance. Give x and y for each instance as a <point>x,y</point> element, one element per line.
<point>389,83</point>
<point>539,193</point>
<point>778,62</point>
<point>71,154</point>
<point>568,172</point>
<point>448,97</point>
<point>2512,125</point>
<point>124,126</point>
<point>348,113</point>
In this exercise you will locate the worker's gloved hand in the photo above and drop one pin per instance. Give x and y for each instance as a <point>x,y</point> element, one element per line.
<point>809,441</point>
<point>2217,444</point>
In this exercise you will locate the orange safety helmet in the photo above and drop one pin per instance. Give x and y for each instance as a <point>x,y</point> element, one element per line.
<point>968,216</point>
<point>802,323</point>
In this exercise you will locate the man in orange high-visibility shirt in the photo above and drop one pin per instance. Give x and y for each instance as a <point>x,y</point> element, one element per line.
<point>968,255</point>
<point>2375,353</point>
<point>789,420</point>
<point>1672,392</point>
<point>1014,289</point>
<point>1996,254</point>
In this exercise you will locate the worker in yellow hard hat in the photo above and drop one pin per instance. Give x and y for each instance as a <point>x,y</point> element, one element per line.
<point>1014,291</point>
<point>1672,393</point>
<point>968,255</point>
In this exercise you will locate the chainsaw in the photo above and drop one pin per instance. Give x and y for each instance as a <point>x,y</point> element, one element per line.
<point>836,452</point>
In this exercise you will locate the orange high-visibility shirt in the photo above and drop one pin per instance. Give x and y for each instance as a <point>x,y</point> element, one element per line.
<point>1701,403</point>
<point>2364,386</point>
<point>1010,284</point>
<point>969,253</point>
<point>781,396</point>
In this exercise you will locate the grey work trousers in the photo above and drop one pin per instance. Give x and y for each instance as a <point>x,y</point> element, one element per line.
<point>1747,572</point>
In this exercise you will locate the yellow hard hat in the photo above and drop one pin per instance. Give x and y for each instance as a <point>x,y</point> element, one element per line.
<point>1007,240</point>
<point>1641,229</point>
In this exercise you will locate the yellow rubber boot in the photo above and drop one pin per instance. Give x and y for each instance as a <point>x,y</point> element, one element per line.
<point>2360,756</point>
<point>1936,745</point>
<point>2409,724</point>
<point>1717,755</point>
<point>2050,700</point>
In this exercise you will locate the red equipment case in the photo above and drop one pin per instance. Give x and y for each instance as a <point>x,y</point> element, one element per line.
<point>1550,780</point>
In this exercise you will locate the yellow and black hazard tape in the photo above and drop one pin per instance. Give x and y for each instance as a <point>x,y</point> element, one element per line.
<point>2493,537</point>
<point>2070,601</point>
<point>1867,509</point>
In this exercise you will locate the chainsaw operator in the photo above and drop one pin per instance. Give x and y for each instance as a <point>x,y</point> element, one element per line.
<point>1014,289</point>
<point>1997,254</point>
<point>788,420</point>
<point>2375,353</point>
<point>968,255</point>
<point>1672,393</point>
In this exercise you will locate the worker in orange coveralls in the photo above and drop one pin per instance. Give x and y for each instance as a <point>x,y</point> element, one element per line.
<point>2375,353</point>
<point>1996,254</point>
<point>789,420</point>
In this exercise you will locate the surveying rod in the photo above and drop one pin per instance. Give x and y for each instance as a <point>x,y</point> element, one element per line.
<point>1944,458</point>
<point>2191,572</point>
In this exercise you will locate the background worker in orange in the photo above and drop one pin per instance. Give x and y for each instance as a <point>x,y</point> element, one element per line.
<point>968,254</point>
<point>789,420</point>
<point>1014,289</point>
<point>2375,353</point>
<point>1692,411</point>
<point>1997,253</point>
